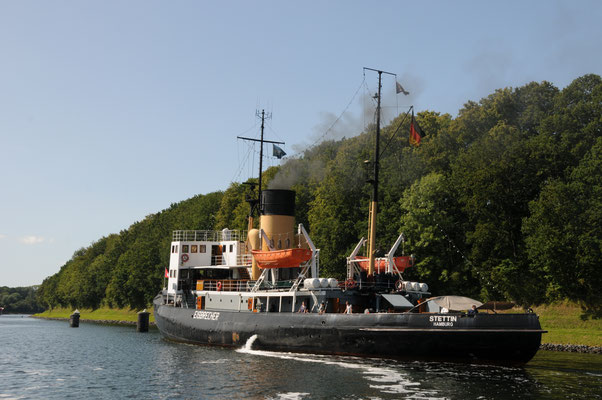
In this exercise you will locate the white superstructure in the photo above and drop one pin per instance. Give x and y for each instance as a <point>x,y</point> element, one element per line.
<point>193,251</point>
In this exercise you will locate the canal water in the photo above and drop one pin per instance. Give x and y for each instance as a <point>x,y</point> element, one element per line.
<point>43,359</point>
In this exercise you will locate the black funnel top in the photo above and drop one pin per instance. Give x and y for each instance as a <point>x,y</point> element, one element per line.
<point>278,202</point>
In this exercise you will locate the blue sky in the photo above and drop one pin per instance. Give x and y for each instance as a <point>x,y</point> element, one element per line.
<point>113,110</point>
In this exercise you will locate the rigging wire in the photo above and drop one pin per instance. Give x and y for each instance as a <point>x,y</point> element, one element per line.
<point>242,164</point>
<point>316,142</point>
<point>396,130</point>
<point>339,117</point>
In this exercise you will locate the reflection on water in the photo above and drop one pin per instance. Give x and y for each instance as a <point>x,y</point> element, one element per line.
<point>561,375</point>
<point>47,359</point>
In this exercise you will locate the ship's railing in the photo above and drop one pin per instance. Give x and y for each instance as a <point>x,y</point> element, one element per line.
<point>240,285</point>
<point>244,259</point>
<point>209,236</point>
<point>224,285</point>
<point>241,259</point>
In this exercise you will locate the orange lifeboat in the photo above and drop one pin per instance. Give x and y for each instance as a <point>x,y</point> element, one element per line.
<point>286,258</point>
<point>380,264</point>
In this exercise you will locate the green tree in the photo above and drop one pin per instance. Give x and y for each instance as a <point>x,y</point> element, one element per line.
<point>434,224</point>
<point>233,210</point>
<point>563,233</point>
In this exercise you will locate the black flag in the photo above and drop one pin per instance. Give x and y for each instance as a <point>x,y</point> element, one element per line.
<point>277,152</point>
<point>400,89</point>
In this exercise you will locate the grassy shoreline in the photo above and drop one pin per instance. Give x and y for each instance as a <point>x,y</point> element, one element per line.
<point>565,326</point>
<point>116,315</point>
<point>561,320</point>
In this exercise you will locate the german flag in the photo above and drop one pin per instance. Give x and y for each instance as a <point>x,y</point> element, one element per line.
<point>416,133</point>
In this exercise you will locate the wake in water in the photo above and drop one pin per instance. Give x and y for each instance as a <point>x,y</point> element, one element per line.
<point>314,358</point>
<point>248,345</point>
<point>389,379</point>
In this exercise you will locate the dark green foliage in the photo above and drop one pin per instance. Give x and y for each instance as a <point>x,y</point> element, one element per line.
<point>19,300</point>
<point>502,202</point>
<point>564,233</point>
<point>434,223</point>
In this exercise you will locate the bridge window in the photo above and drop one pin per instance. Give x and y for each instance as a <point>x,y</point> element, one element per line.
<point>202,248</point>
<point>194,248</point>
<point>184,248</point>
<point>231,248</point>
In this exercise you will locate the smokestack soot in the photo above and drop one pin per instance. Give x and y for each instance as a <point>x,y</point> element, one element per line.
<point>278,202</point>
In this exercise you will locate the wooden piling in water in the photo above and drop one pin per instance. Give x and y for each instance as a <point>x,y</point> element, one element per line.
<point>142,325</point>
<point>74,319</point>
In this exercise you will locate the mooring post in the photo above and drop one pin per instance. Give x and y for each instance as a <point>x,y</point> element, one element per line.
<point>142,325</point>
<point>74,319</point>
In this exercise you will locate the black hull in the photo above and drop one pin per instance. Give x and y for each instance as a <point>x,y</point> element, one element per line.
<point>497,338</point>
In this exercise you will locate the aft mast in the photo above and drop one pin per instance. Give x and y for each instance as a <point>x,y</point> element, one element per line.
<point>374,181</point>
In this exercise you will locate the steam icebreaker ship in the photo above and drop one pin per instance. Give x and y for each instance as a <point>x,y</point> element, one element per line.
<point>226,286</point>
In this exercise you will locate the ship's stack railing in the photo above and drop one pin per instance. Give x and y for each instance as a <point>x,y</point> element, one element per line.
<point>208,236</point>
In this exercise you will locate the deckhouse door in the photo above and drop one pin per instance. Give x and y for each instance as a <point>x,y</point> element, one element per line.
<point>216,255</point>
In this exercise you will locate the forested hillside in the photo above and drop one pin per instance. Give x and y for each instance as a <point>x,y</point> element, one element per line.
<point>19,300</point>
<point>502,202</point>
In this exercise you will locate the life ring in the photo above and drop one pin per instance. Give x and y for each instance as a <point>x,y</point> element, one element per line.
<point>185,257</point>
<point>349,283</point>
<point>399,285</point>
<point>219,286</point>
